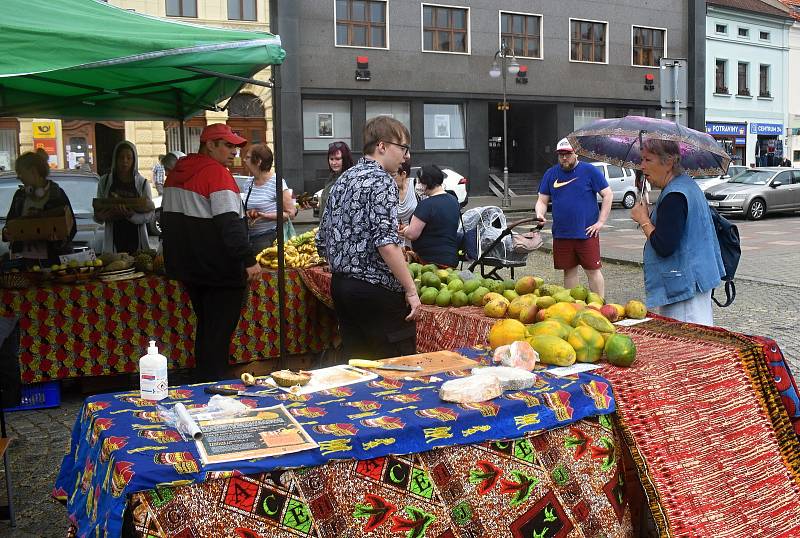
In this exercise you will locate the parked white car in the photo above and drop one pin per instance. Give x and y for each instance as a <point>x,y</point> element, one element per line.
<point>622,182</point>
<point>706,182</point>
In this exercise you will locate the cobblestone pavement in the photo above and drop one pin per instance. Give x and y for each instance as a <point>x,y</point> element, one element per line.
<point>767,303</point>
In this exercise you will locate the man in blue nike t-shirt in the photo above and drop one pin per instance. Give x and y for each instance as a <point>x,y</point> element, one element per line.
<point>572,186</point>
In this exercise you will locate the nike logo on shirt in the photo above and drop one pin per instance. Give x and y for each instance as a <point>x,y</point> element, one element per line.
<point>558,184</point>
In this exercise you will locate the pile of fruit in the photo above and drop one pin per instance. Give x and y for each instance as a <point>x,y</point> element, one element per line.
<point>149,261</point>
<point>299,252</point>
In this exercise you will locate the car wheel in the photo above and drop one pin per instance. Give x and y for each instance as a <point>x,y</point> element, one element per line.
<point>757,209</point>
<point>154,227</point>
<point>629,200</point>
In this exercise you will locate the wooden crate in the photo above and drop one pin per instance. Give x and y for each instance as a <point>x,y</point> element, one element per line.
<point>40,228</point>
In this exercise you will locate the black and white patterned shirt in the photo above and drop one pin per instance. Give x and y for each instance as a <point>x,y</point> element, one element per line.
<point>359,217</point>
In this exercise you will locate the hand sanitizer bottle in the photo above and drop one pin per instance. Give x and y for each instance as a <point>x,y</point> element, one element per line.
<point>153,374</point>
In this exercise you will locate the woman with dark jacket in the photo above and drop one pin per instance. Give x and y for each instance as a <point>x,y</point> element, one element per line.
<point>433,230</point>
<point>339,161</point>
<point>41,197</point>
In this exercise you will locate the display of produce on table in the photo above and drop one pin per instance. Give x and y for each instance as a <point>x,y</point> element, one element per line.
<point>299,252</point>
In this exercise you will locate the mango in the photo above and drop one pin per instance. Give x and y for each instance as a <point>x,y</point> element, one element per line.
<point>496,308</point>
<point>506,331</point>
<point>594,319</point>
<point>509,284</point>
<point>609,312</point>
<point>528,313</point>
<point>595,298</point>
<point>510,295</point>
<point>587,343</point>
<point>553,350</point>
<point>620,350</point>
<point>539,281</point>
<point>635,309</point>
<point>620,310</point>
<point>579,292</point>
<point>544,302</point>
<point>563,296</point>
<point>525,284</point>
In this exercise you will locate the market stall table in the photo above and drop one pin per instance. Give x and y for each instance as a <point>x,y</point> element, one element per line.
<point>102,328</point>
<point>562,470</point>
<point>711,417</point>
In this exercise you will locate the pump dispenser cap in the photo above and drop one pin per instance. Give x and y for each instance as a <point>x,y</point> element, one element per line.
<point>153,349</point>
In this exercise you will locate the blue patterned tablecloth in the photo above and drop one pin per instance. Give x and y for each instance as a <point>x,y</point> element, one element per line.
<point>120,446</point>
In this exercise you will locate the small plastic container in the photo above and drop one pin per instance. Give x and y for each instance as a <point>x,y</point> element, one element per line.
<point>153,383</point>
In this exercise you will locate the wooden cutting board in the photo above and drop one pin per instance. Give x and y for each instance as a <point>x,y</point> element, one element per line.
<point>432,363</point>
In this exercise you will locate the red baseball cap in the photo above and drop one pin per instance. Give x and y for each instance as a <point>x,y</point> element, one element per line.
<point>217,131</point>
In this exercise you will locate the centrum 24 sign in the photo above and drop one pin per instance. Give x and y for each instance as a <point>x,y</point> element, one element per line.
<point>766,128</point>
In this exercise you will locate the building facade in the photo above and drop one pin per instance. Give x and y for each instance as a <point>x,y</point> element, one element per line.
<point>249,112</point>
<point>747,79</point>
<point>793,132</point>
<point>427,64</point>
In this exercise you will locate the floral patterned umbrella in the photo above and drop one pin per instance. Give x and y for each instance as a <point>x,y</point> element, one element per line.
<point>618,141</point>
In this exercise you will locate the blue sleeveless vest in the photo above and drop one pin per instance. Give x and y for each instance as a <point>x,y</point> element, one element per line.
<point>696,265</point>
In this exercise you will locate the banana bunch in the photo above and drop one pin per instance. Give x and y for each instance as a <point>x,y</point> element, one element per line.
<point>299,252</point>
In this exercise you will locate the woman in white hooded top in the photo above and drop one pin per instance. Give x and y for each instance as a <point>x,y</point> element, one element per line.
<point>125,230</point>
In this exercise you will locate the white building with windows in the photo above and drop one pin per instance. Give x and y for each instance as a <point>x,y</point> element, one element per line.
<point>793,139</point>
<point>747,82</point>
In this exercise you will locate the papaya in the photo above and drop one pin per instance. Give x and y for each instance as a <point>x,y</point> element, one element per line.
<point>565,311</point>
<point>506,331</point>
<point>620,350</point>
<point>593,319</point>
<point>510,294</point>
<point>551,327</point>
<point>496,308</point>
<point>635,309</point>
<point>553,350</point>
<point>491,296</point>
<point>544,301</point>
<point>587,343</point>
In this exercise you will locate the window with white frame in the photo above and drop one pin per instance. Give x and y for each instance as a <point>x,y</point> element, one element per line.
<point>585,115</point>
<point>588,41</point>
<point>649,45</point>
<point>242,10</point>
<point>721,76</point>
<point>744,32</point>
<point>721,28</point>
<point>764,36</point>
<point>399,110</point>
<point>744,86</point>
<point>522,33</point>
<point>325,121</point>
<point>361,23</point>
<point>763,81</point>
<point>444,126</point>
<point>445,28</point>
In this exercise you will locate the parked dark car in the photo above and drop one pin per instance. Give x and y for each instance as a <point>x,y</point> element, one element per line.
<point>756,192</point>
<point>80,187</point>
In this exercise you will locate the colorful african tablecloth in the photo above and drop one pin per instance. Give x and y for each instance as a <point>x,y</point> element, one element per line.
<point>119,444</point>
<point>566,482</point>
<point>102,328</point>
<point>715,449</point>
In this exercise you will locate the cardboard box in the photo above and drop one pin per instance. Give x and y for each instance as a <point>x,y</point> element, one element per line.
<point>39,228</point>
<point>140,205</point>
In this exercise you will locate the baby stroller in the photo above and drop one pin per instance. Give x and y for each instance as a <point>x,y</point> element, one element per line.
<point>489,242</point>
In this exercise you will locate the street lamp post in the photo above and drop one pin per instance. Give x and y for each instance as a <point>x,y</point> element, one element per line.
<point>508,65</point>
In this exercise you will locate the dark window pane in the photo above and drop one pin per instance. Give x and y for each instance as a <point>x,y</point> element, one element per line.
<point>377,12</point>
<point>586,31</point>
<point>174,8</point>
<point>574,54</point>
<point>189,8</point>
<point>459,19</point>
<point>519,49</point>
<point>505,23</point>
<point>341,10</point>
<point>519,23</point>
<point>600,33</point>
<point>377,38</point>
<point>533,48</point>
<point>359,10</point>
<point>428,40</point>
<point>658,39</point>
<point>249,10</point>
<point>444,40</point>
<point>599,53</point>
<point>341,34</point>
<point>234,10</point>
<point>427,16</point>
<point>533,26</point>
<point>460,39</point>
<point>359,36</point>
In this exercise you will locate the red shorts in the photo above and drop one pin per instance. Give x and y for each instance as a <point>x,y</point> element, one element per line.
<point>569,253</point>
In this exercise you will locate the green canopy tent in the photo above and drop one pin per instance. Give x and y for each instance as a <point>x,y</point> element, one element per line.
<point>90,60</point>
<point>86,59</point>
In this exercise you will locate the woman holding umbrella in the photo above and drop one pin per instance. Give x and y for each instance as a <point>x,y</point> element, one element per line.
<point>682,262</point>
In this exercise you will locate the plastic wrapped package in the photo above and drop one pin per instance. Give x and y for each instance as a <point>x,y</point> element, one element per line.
<point>518,354</point>
<point>510,378</point>
<point>472,389</point>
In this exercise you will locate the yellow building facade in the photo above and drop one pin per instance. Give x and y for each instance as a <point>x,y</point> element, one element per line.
<point>249,113</point>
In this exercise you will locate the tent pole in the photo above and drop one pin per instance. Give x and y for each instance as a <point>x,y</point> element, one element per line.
<point>183,136</point>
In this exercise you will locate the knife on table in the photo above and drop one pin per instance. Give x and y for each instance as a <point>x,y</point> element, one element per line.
<point>215,389</point>
<point>363,363</point>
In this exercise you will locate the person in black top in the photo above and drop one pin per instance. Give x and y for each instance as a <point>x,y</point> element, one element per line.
<point>38,196</point>
<point>433,230</point>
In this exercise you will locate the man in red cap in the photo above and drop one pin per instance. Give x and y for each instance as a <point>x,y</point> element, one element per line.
<point>206,245</point>
<point>573,187</point>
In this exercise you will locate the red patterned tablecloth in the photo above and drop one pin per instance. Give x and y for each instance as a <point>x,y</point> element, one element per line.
<point>102,328</point>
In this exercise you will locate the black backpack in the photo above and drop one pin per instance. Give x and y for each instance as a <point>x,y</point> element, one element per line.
<point>730,248</point>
